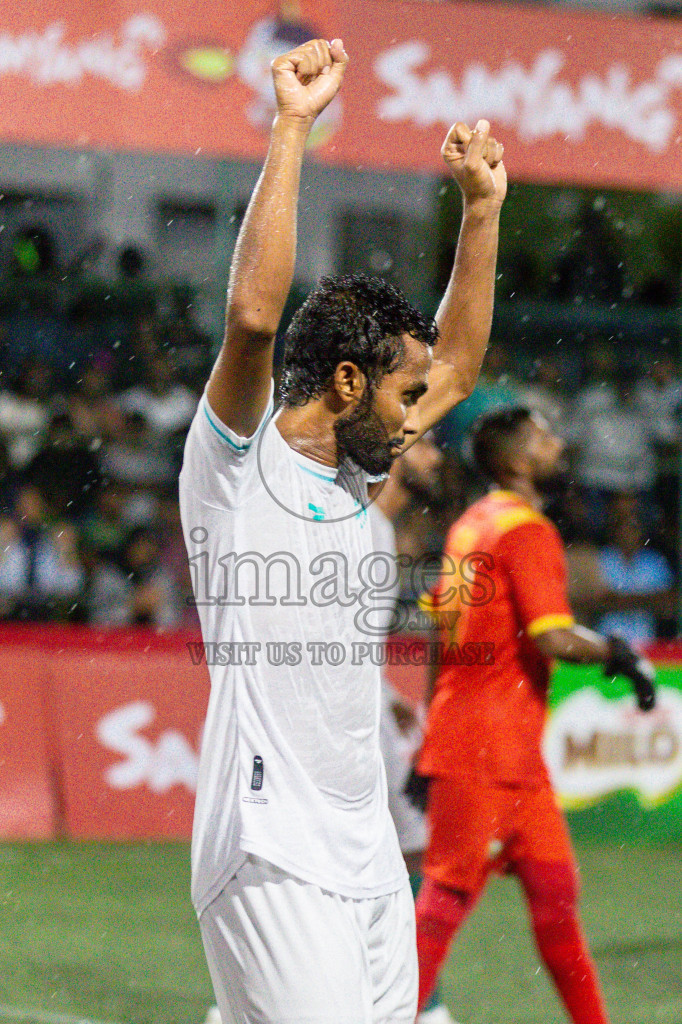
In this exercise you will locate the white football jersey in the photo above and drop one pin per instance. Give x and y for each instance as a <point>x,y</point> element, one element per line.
<point>280,550</point>
<point>383,538</point>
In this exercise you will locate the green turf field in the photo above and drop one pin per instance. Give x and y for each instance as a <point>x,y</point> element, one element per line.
<point>107,932</point>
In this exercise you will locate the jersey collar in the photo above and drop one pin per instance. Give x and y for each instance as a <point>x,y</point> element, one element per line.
<point>327,473</point>
<point>501,495</point>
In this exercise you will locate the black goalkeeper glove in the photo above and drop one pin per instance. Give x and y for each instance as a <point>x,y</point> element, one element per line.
<point>416,789</point>
<point>623,661</point>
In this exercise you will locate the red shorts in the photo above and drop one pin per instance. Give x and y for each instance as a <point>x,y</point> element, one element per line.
<point>477,828</point>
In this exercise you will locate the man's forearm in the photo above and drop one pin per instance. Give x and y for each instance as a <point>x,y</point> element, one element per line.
<point>305,80</point>
<point>265,255</point>
<point>464,316</point>
<point>575,644</point>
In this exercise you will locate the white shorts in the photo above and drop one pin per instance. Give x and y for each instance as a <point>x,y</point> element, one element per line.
<point>397,751</point>
<point>283,951</point>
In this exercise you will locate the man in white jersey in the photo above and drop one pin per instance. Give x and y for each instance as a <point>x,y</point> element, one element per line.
<point>303,899</point>
<point>414,479</point>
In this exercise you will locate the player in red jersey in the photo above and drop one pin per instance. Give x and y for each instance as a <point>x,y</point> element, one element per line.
<point>502,615</point>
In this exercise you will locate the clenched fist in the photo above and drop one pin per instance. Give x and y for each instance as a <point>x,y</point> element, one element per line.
<point>308,78</point>
<point>474,159</point>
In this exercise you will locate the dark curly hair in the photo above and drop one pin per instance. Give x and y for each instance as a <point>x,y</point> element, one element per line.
<point>357,318</point>
<point>494,435</point>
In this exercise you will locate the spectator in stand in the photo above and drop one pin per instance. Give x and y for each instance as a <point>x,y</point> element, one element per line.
<point>455,485</point>
<point>41,576</point>
<point>659,396</point>
<point>141,342</point>
<point>24,410</point>
<point>5,358</point>
<point>93,409</point>
<point>104,529</point>
<point>586,587</point>
<point>598,390</point>
<point>106,592</point>
<point>418,544</point>
<point>173,556</point>
<point>9,481</point>
<point>139,465</point>
<point>65,469</point>
<point>140,592</point>
<point>145,340</point>
<point>154,599</point>
<point>189,344</point>
<point>614,447</point>
<point>544,393</point>
<point>166,405</point>
<point>639,581</point>
<point>601,370</point>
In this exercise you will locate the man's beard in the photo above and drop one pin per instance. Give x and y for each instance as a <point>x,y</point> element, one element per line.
<point>361,436</point>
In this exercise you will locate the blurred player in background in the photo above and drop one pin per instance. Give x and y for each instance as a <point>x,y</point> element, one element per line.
<point>303,899</point>
<point>503,615</point>
<point>414,477</point>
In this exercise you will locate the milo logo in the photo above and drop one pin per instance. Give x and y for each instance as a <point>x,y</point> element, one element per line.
<point>594,746</point>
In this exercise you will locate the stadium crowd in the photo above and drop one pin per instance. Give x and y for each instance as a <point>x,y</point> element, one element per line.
<point>89,521</point>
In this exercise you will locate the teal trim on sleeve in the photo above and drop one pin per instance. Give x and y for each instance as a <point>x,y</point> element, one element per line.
<point>237,448</point>
<point>221,433</point>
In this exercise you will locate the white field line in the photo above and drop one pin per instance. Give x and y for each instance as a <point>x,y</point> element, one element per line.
<point>25,1013</point>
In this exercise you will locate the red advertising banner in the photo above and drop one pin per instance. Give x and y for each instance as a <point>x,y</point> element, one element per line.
<point>120,713</point>
<point>129,730</point>
<point>577,98</point>
<point>27,805</point>
<point>100,731</point>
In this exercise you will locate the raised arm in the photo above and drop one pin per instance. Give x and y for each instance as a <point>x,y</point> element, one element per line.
<point>306,80</point>
<point>465,313</point>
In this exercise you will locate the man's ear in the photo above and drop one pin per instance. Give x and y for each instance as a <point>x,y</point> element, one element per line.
<point>349,383</point>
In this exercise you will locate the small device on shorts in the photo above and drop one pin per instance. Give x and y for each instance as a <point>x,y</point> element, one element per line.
<point>257,776</point>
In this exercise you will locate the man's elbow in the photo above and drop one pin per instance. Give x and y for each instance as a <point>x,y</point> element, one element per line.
<point>253,320</point>
<point>465,388</point>
<point>461,387</point>
<point>455,384</point>
<point>464,376</point>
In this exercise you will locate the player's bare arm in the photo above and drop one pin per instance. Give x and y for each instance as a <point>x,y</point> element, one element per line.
<point>582,646</point>
<point>574,644</point>
<point>306,79</point>
<point>464,317</point>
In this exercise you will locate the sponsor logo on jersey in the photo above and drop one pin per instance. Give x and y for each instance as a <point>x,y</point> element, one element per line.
<point>257,773</point>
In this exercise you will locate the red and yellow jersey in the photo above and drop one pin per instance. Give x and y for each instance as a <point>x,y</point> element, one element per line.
<point>502,582</point>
